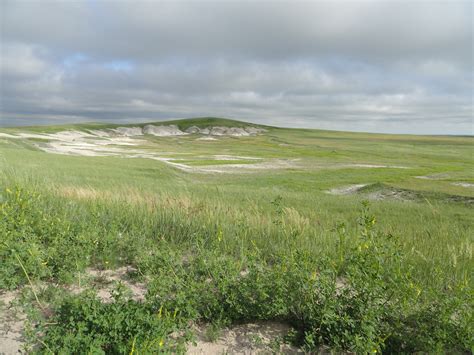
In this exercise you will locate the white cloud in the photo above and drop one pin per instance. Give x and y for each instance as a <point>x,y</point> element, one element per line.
<point>380,66</point>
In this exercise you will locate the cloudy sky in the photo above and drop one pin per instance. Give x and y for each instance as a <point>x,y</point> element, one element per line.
<point>378,66</point>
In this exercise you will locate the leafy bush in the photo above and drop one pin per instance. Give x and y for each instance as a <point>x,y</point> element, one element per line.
<point>362,299</point>
<point>123,326</point>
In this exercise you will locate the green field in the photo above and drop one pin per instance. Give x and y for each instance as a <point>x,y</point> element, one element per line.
<point>235,230</point>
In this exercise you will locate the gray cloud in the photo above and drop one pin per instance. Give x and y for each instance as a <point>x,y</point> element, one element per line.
<point>390,66</point>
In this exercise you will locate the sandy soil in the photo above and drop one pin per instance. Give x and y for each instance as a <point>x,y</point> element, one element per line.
<point>463,184</point>
<point>122,140</point>
<point>234,157</point>
<point>11,324</point>
<point>105,281</point>
<point>439,176</point>
<point>6,135</point>
<point>207,139</point>
<point>226,131</point>
<point>346,190</point>
<point>251,338</point>
<point>374,166</point>
<point>247,168</point>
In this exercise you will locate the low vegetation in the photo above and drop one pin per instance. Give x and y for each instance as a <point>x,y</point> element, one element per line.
<point>345,274</point>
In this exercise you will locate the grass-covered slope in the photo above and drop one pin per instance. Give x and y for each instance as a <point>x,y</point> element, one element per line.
<point>215,249</point>
<point>181,123</point>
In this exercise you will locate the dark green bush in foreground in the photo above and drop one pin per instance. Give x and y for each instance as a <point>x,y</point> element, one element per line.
<point>362,299</point>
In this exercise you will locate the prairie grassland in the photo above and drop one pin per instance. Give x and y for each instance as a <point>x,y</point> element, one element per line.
<point>236,244</point>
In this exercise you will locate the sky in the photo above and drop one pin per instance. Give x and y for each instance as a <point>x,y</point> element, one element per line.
<point>374,66</point>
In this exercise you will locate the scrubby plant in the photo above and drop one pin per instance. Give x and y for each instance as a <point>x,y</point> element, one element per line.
<point>362,298</point>
<point>88,325</point>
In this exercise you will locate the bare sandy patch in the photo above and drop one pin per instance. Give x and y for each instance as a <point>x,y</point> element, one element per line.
<point>234,157</point>
<point>274,164</point>
<point>251,338</point>
<point>374,166</point>
<point>346,190</point>
<point>6,135</point>
<point>105,281</point>
<point>439,176</point>
<point>129,131</point>
<point>463,184</point>
<point>120,142</point>
<point>392,194</point>
<point>207,139</point>
<point>381,193</point>
<point>226,131</point>
<point>163,131</point>
<point>11,324</point>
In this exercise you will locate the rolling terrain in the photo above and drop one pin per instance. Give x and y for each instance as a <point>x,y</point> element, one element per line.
<point>195,230</point>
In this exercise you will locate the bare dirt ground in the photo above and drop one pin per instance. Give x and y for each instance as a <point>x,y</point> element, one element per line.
<point>463,184</point>
<point>122,142</point>
<point>12,319</point>
<point>250,338</point>
<point>439,176</point>
<point>11,324</point>
<point>105,281</point>
<point>346,190</point>
<point>380,194</point>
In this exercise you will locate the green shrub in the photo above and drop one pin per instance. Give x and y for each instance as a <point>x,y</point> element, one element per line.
<point>362,299</point>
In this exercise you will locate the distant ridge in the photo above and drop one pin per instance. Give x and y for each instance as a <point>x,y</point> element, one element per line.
<point>183,124</point>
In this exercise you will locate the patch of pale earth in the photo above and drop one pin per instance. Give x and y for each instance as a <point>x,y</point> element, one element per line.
<point>33,135</point>
<point>82,149</point>
<point>226,131</point>
<point>11,324</point>
<point>251,338</point>
<point>375,166</point>
<point>237,132</point>
<point>234,157</point>
<point>392,194</point>
<point>439,176</point>
<point>129,131</point>
<point>243,168</point>
<point>207,139</point>
<point>463,184</point>
<point>70,135</point>
<point>163,131</point>
<point>192,130</point>
<point>6,135</point>
<point>105,282</point>
<point>108,143</point>
<point>255,130</point>
<point>346,190</point>
<point>100,133</point>
<point>120,141</point>
<point>218,131</point>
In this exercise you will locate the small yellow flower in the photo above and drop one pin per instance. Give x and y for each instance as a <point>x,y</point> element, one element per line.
<point>161,343</point>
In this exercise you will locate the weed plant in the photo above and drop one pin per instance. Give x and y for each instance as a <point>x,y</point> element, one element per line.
<point>362,297</point>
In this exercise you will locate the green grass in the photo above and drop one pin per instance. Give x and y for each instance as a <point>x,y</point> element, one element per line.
<point>182,229</point>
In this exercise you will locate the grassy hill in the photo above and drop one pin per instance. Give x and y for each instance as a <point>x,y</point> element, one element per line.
<point>270,227</point>
<point>181,123</point>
